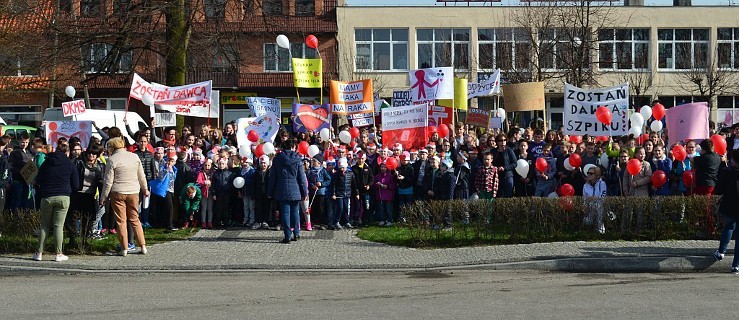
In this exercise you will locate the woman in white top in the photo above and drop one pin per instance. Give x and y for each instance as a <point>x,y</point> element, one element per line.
<point>593,193</point>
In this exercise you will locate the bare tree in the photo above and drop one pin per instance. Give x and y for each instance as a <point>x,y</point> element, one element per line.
<point>707,80</point>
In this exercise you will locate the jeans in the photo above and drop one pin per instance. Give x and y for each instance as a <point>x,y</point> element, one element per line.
<point>206,210</point>
<point>385,211</point>
<point>248,210</point>
<point>53,212</point>
<point>18,196</point>
<point>340,215</point>
<point>544,187</point>
<point>364,209</point>
<point>403,199</point>
<point>727,235</point>
<point>290,218</point>
<point>507,187</point>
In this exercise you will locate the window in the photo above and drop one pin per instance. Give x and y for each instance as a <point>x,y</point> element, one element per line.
<point>225,59</point>
<point>278,59</point>
<point>671,101</point>
<point>91,8</point>
<point>728,111</point>
<point>504,48</point>
<point>563,48</point>
<point>681,49</point>
<point>103,57</point>
<point>443,48</point>
<point>381,49</point>
<point>121,7</point>
<point>272,7</point>
<point>19,66</point>
<point>728,48</point>
<point>623,49</point>
<point>305,8</point>
<point>215,9</point>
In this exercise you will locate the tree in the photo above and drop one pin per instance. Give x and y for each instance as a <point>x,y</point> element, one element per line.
<point>707,80</point>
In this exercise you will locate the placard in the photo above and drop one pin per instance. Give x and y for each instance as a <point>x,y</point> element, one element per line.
<point>478,117</point>
<point>72,108</point>
<point>311,117</point>
<point>266,127</point>
<point>67,129</point>
<point>165,119</point>
<point>405,125</point>
<point>29,172</point>
<point>402,98</point>
<point>352,97</point>
<point>524,96</point>
<point>307,73</point>
<point>432,83</point>
<point>189,100</point>
<point>261,106</point>
<point>581,104</point>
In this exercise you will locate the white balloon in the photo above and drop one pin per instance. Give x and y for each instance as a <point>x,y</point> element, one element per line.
<point>283,41</point>
<point>313,151</point>
<point>568,165</point>
<point>69,90</point>
<point>239,182</point>
<point>244,151</point>
<point>522,167</point>
<point>587,166</point>
<point>656,126</point>
<point>603,160</point>
<point>268,148</point>
<point>345,137</point>
<point>553,195</point>
<point>501,113</point>
<point>637,120</point>
<point>325,134</point>
<point>147,99</point>
<point>646,112</point>
<point>636,131</point>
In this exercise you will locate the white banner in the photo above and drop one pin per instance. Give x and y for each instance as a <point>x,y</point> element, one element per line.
<point>415,116</point>
<point>487,87</point>
<point>581,104</point>
<point>362,120</point>
<point>261,106</point>
<point>67,129</point>
<point>165,119</point>
<point>266,127</point>
<point>189,100</point>
<point>495,123</point>
<point>73,107</point>
<point>432,83</point>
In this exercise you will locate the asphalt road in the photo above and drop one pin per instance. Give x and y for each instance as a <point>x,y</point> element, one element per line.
<point>370,295</point>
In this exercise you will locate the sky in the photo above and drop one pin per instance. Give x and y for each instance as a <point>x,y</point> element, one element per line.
<point>513,2</point>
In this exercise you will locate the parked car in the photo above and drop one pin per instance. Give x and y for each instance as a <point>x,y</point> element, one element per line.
<point>16,131</point>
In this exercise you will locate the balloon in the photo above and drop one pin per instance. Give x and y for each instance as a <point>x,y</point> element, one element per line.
<point>259,151</point>
<point>646,112</point>
<point>604,160</point>
<point>643,138</point>
<point>501,113</point>
<point>553,195</point>
<point>69,90</point>
<point>679,153</point>
<point>541,164</point>
<point>239,182</point>
<point>656,126</point>
<point>147,99</point>
<point>391,163</point>
<point>345,137</point>
<point>303,148</point>
<point>567,190</point>
<point>244,151</point>
<point>633,166</point>
<point>283,42</point>
<point>635,131</point>
<point>431,129</point>
<point>576,139</point>
<point>269,148</point>
<point>688,178</point>
<point>637,120</point>
<point>719,144</point>
<point>311,41</point>
<point>354,131</point>
<point>252,136</point>
<point>603,115</point>
<point>313,151</point>
<point>658,111</point>
<point>575,160</point>
<point>587,167</point>
<point>522,167</point>
<point>325,134</point>
<point>568,165</point>
<point>659,178</point>
<point>443,131</point>
<point>353,144</point>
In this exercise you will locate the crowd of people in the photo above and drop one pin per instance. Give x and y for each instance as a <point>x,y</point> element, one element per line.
<point>201,179</point>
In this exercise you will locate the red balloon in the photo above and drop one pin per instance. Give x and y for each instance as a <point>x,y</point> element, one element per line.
<point>575,160</point>
<point>633,166</point>
<point>252,136</point>
<point>541,164</point>
<point>658,111</point>
<point>679,153</point>
<point>576,139</point>
<point>567,190</point>
<point>719,144</point>
<point>603,115</point>
<point>259,151</point>
<point>354,132</point>
<point>688,178</point>
<point>659,178</point>
<point>311,41</point>
<point>391,163</point>
<point>431,129</point>
<point>602,138</point>
<point>353,144</point>
<point>643,138</point>
<point>443,131</point>
<point>303,148</point>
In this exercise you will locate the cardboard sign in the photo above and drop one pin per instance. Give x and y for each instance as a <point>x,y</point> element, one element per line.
<point>352,97</point>
<point>688,121</point>
<point>29,172</point>
<point>307,73</point>
<point>524,96</point>
<point>362,120</point>
<point>495,123</point>
<point>193,100</point>
<point>261,106</point>
<point>402,98</point>
<point>165,119</point>
<point>478,117</point>
<point>581,104</point>
<point>73,107</point>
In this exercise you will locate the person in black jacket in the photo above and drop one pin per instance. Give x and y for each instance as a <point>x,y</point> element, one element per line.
<point>56,179</point>
<point>221,188</point>
<point>421,170</point>
<point>288,185</point>
<point>262,203</point>
<point>150,170</point>
<point>5,178</point>
<point>443,189</point>
<point>728,188</point>
<point>83,205</point>
<point>406,178</point>
<point>364,176</point>
<point>505,160</point>
<point>184,176</point>
<point>343,188</point>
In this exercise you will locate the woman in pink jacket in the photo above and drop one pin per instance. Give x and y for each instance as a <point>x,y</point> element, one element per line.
<point>386,185</point>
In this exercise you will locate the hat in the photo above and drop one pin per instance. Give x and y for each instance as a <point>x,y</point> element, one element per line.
<point>264,158</point>
<point>318,158</point>
<point>437,159</point>
<point>249,160</point>
<point>371,146</point>
<point>197,151</point>
<point>473,151</point>
<point>447,163</point>
<point>159,149</point>
<point>423,151</point>
<point>172,154</point>
<point>405,156</point>
<point>398,146</point>
<point>413,151</point>
<point>343,163</point>
<point>361,155</point>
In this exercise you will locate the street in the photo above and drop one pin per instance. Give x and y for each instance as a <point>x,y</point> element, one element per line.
<point>369,295</point>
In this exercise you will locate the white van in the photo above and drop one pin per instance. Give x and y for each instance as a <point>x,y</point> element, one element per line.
<point>102,118</point>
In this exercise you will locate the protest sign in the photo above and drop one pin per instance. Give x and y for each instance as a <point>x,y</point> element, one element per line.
<point>67,129</point>
<point>311,117</point>
<point>687,121</point>
<point>189,100</point>
<point>402,98</point>
<point>307,73</point>
<point>362,120</point>
<point>432,84</point>
<point>524,96</point>
<point>581,104</point>
<point>260,105</point>
<point>352,97</point>
<point>165,119</point>
<point>478,117</point>
<point>405,125</point>
<point>266,127</point>
<point>460,96</point>
<point>29,172</point>
<point>73,107</point>
<point>439,115</point>
<point>490,85</point>
<point>495,123</point>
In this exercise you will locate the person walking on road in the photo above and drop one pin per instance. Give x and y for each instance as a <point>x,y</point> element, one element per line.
<point>288,186</point>
<point>728,186</point>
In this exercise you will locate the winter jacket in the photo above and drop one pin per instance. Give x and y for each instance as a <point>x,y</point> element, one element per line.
<point>316,175</point>
<point>57,176</point>
<point>443,185</point>
<point>248,175</point>
<point>160,185</point>
<point>706,169</point>
<point>509,161</point>
<point>344,185</point>
<point>221,182</point>
<point>666,166</point>
<point>728,187</point>
<point>260,179</point>
<point>187,204</point>
<point>5,177</point>
<point>17,159</point>
<point>419,180</point>
<point>184,177</point>
<point>409,176</point>
<point>81,166</point>
<point>462,178</point>
<point>364,177</point>
<point>202,178</point>
<point>642,179</point>
<point>598,190</point>
<point>551,170</point>
<point>148,163</point>
<point>287,181</point>
<point>388,179</point>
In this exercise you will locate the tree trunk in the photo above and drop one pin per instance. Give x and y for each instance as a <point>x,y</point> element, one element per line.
<point>178,37</point>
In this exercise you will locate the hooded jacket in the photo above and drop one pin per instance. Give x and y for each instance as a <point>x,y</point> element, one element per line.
<point>319,174</point>
<point>221,182</point>
<point>81,166</point>
<point>57,176</point>
<point>728,187</point>
<point>287,181</point>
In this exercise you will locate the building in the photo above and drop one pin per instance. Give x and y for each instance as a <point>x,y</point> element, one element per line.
<point>676,54</point>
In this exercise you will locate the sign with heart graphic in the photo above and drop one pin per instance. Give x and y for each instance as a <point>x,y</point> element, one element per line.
<point>67,129</point>
<point>266,127</point>
<point>311,117</point>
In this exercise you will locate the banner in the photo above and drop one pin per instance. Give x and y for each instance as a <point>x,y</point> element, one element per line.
<point>67,129</point>
<point>362,120</point>
<point>432,84</point>
<point>352,97</point>
<point>311,117</point>
<point>189,100</point>
<point>524,96</point>
<point>261,106</point>
<point>165,119</point>
<point>488,87</point>
<point>687,121</point>
<point>307,73</point>
<point>460,96</point>
<point>439,115</point>
<point>73,107</point>
<point>402,98</point>
<point>405,125</point>
<point>266,127</point>
<point>580,106</point>
<point>478,117</point>
<point>495,123</point>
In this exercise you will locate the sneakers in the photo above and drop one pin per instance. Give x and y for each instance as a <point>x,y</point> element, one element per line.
<point>146,225</point>
<point>381,224</point>
<point>285,241</point>
<point>60,257</point>
<point>718,255</point>
<point>210,225</point>
<point>735,270</point>
<point>37,256</point>
<point>112,231</point>
<point>144,250</point>
<point>123,253</point>
<point>131,247</point>
<point>447,228</point>
<point>337,227</point>
<point>348,226</point>
<point>388,224</point>
<point>255,226</point>
<point>265,225</point>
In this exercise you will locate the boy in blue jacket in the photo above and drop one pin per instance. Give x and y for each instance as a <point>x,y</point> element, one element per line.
<point>246,193</point>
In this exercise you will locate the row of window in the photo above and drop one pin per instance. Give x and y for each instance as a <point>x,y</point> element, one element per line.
<point>511,48</point>
<point>214,9</point>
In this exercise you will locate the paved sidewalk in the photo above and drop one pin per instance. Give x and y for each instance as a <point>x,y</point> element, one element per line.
<point>243,250</point>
